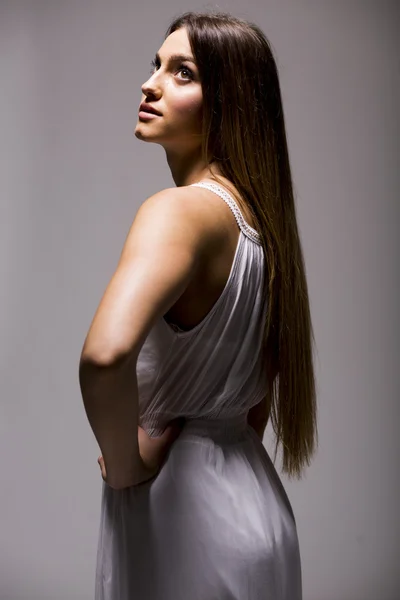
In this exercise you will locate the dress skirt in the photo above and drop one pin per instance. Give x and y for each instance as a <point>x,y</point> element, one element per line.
<point>214,524</point>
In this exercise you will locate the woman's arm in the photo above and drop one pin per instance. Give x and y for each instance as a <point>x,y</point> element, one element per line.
<point>110,398</point>
<point>166,243</point>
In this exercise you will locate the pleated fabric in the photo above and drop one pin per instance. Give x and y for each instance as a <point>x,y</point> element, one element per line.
<point>216,522</point>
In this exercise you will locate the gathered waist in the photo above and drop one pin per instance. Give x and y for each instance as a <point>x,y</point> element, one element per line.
<point>222,428</point>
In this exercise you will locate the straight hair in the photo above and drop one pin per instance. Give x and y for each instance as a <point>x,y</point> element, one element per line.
<point>244,134</point>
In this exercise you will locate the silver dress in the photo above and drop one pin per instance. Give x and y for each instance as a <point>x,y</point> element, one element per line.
<point>215,523</point>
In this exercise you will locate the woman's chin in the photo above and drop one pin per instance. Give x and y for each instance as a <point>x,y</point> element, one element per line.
<point>141,135</point>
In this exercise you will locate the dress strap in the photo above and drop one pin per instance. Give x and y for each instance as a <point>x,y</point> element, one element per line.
<point>222,193</point>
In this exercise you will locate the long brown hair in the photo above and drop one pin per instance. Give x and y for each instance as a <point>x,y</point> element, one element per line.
<point>244,134</point>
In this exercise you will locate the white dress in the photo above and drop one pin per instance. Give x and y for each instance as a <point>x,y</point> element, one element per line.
<point>215,523</point>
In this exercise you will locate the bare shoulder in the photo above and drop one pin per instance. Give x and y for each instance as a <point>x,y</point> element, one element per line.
<point>185,210</point>
<point>186,200</point>
<point>166,246</point>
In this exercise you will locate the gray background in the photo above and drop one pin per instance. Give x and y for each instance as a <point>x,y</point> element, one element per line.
<point>72,176</point>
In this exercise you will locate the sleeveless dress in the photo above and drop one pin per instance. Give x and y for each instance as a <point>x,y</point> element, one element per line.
<point>215,523</point>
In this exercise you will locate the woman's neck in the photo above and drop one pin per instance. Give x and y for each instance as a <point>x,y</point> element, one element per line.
<point>188,169</point>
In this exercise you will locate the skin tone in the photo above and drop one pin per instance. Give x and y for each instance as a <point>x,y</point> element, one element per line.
<point>174,89</point>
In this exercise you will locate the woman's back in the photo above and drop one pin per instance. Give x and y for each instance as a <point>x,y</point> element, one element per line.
<point>212,274</point>
<point>214,369</point>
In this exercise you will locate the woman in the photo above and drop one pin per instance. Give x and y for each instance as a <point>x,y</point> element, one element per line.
<point>207,319</point>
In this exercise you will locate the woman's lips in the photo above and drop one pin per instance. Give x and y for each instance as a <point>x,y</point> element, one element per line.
<point>147,115</point>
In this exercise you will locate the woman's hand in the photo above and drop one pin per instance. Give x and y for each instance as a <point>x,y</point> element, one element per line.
<point>153,452</point>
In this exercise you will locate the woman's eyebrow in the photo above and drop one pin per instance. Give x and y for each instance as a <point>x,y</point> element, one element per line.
<point>177,58</point>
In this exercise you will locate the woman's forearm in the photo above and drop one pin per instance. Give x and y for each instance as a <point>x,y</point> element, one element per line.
<point>110,398</point>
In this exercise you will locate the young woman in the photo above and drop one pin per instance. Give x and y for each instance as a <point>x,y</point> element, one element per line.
<point>206,319</point>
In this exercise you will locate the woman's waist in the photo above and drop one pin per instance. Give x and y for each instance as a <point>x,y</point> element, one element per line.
<point>222,427</point>
<point>228,427</point>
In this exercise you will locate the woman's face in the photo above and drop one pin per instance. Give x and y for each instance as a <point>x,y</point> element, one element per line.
<point>174,90</point>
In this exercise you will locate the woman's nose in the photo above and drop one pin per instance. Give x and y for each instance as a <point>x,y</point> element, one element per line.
<point>151,88</point>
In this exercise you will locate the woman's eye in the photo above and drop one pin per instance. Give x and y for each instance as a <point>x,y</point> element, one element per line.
<point>188,71</point>
<point>188,74</point>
